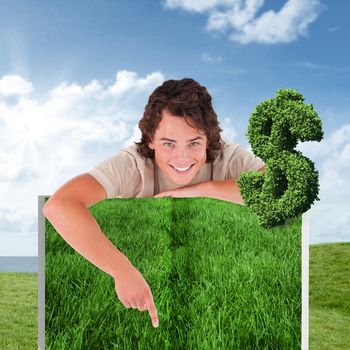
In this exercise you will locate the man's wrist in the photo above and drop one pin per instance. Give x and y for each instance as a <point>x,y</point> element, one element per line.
<point>118,263</point>
<point>198,190</point>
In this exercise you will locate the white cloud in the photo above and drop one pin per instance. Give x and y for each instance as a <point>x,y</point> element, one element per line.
<point>246,24</point>
<point>312,65</point>
<point>340,136</point>
<point>9,220</point>
<point>344,156</point>
<point>65,132</point>
<point>333,29</point>
<point>18,244</point>
<point>129,82</point>
<point>229,133</point>
<point>324,67</point>
<point>237,16</point>
<point>329,217</point>
<point>197,5</point>
<point>14,85</point>
<point>135,136</point>
<point>209,58</point>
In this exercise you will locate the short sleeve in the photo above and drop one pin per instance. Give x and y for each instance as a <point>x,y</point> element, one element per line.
<point>242,161</point>
<point>118,175</point>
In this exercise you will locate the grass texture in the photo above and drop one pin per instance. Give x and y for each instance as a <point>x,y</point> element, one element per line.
<point>219,280</point>
<point>329,321</point>
<point>18,311</point>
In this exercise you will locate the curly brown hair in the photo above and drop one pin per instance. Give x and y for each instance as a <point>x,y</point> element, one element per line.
<point>182,98</point>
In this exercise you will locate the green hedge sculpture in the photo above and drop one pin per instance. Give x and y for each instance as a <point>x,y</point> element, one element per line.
<point>290,184</point>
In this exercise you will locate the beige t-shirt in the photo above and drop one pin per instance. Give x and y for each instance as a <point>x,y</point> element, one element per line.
<point>129,175</point>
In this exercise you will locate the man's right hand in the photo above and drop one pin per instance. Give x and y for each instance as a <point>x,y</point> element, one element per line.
<point>133,291</point>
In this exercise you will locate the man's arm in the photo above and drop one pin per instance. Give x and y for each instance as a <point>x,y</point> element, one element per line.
<point>226,190</point>
<point>67,210</point>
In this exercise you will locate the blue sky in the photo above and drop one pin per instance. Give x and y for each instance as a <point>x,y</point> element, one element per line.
<point>75,77</point>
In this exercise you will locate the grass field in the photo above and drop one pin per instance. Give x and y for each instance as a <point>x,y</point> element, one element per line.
<point>219,280</point>
<point>329,320</point>
<point>18,311</point>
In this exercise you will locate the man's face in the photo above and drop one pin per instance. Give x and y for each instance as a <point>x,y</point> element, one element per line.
<point>179,149</point>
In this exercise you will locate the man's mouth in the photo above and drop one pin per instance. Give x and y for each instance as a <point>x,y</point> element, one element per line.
<point>182,170</point>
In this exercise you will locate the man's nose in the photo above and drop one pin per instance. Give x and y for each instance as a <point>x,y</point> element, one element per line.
<point>181,153</point>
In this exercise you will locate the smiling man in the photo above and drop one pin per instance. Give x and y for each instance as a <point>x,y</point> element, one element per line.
<point>181,154</point>
<point>179,150</point>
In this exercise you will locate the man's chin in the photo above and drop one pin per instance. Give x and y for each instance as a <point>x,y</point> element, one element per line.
<point>181,182</point>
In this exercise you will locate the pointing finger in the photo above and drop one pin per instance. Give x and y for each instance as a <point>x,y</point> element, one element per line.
<point>153,314</point>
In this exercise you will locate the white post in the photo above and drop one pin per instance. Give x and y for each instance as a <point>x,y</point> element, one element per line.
<point>305,282</point>
<point>41,274</point>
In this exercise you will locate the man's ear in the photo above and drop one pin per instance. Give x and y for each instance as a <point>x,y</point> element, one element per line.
<point>151,144</point>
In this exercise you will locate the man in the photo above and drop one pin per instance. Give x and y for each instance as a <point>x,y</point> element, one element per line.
<point>180,154</point>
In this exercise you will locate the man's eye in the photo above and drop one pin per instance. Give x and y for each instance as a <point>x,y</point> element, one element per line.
<point>168,144</point>
<point>194,144</point>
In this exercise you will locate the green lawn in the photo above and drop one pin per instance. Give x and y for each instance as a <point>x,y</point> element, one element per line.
<point>329,314</point>
<point>218,279</point>
<point>18,311</point>
<point>100,313</point>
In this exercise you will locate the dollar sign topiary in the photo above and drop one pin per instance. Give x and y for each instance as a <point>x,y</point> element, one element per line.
<point>290,184</point>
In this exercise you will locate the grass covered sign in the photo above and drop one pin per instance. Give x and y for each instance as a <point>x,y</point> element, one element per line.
<point>290,184</point>
<point>219,280</point>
